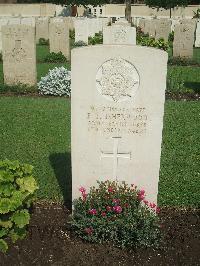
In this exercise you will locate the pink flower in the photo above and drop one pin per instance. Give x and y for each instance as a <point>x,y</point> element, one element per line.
<point>117,209</point>
<point>89,230</point>
<point>145,202</point>
<point>152,205</point>
<point>110,189</point>
<point>108,208</point>
<point>103,214</point>
<point>82,190</point>
<point>93,211</point>
<point>141,195</point>
<point>116,201</point>
<point>157,209</point>
<point>126,205</point>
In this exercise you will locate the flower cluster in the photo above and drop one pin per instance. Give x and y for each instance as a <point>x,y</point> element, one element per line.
<point>57,82</point>
<point>116,212</point>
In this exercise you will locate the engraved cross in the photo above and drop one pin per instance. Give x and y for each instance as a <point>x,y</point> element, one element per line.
<point>115,154</point>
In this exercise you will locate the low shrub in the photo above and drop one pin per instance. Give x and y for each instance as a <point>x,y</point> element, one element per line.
<point>17,187</point>
<point>97,39</point>
<point>116,213</point>
<point>146,41</point>
<point>17,89</point>
<point>57,82</point>
<point>43,41</point>
<point>55,58</point>
<point>79,44</point>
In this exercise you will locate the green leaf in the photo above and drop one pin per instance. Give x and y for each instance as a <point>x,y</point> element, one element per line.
<point>21,218</point>
<point>3,232</point>
<point>6,176</point>
<point>6,224</point>
<point>4,205</point>
<point>27,168</point>
<point>27,184</point>
<point>17,233</point>
<point>7,189</point>
<point>3,246</point>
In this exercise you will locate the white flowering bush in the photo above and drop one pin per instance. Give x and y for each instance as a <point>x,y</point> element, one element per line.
<point>57,82</point>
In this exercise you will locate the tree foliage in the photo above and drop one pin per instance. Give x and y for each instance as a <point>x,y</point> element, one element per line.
<point>166,4</point>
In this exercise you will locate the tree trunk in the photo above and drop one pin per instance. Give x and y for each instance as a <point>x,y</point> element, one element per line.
<point>128,10</point>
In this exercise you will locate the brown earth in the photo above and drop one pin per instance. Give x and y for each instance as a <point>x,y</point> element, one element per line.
<point>50,242</point>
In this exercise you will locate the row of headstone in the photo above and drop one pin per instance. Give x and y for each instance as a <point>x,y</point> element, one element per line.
<point>87,27</point>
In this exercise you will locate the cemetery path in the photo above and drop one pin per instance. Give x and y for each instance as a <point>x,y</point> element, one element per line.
<point>50,242</point>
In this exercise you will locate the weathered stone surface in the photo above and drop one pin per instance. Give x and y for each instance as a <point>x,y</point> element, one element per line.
<point>117,115</point>
<point>118,34</point>
<point>19,54</point>
<point>141,24</point>
<point>3,22</point>
<point>184,38</point>
<point>81,30</point>
<point>163,29</point>
<point>42,28</point>
<point>197,40</point>
<point>59,37</point>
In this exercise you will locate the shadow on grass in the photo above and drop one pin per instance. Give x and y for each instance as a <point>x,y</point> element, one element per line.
<point>61,163</point>
<point>195,86</point>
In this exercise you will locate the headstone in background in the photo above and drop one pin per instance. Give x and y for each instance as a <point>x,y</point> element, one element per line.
<point>19,54</point>
<point>14,20</point>
<point>184,38</point>
<point>122,22</point>
<point>163,29</point>
<point>197,40</point>
<point>141,24</point>
<point>3,22</point>
<point>118,34</point>
<point>28,21</point>
<point>117,115</point>
<point>81,30</point>
<point>59,37</point>
<point>42,28</point>
<point>152,28</point>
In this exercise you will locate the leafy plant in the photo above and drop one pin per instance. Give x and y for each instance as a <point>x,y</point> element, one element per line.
<point>116,213</point>
<point>57,82</point>
<point>55,58</point>
<point>17,187</point>
<point>146,41</point>
<point>79,44</point>
<point>1,58</point>
<point>97,39</point>
<point>43,41</point>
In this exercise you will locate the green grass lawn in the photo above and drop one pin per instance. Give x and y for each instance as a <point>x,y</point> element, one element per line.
<point>37,131</point>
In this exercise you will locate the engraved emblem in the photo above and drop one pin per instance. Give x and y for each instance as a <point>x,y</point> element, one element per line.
<point>120,35</point>
<point>117,80</point>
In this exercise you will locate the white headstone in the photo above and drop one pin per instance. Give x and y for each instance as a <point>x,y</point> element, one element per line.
<point>3,22</point>
<point>117,115</point>
<point>42,28</point>
<point>118,34</point>
<point>59,37</point>
<point>184,38</point>
<point>19,54</point>
<point>163,29</point>
<point>81,30</point>
<point>197,41</point>
<point>28,21</point>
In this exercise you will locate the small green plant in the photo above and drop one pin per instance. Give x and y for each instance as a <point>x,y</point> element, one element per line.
<point>43,41</point>
<point>72,34</point>
<point>79,44</point>
<point>18,89</point>
<point>151,42</point>
<point>1,58</point>
<point>97,39</point>
<point>17,187</point>
<point>116,213</point>
<point>55,58</point>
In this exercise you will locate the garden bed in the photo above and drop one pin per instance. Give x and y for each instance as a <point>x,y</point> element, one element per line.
<point>50,242</point>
